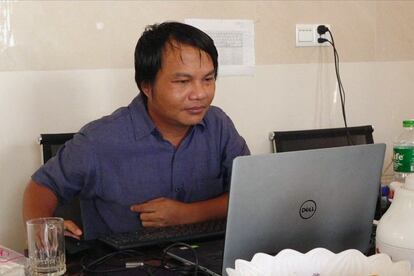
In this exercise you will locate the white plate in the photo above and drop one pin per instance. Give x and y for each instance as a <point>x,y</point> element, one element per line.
<point>320,262</point>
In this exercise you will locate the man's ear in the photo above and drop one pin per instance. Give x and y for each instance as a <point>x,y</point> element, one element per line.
<point>147,89</point>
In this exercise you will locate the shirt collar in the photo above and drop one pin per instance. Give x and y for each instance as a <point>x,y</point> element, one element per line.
<point>142,123</point>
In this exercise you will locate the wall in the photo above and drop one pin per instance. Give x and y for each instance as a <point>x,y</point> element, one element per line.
<point>72,62</point>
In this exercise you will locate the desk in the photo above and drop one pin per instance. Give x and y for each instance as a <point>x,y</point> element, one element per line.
<point>151,257</point>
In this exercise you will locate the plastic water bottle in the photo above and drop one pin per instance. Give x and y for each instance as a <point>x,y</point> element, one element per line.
<point>403,158</point>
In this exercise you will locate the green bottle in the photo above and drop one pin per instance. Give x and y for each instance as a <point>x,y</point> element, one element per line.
<point>404,152</point>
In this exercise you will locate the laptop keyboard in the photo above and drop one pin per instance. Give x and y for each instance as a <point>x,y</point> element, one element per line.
<point>153,236</point>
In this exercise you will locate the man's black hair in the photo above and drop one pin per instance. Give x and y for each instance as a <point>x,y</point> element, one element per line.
<point>150,46</point>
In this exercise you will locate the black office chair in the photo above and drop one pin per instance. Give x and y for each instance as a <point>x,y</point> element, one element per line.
<point>320,138</point>
<point>50,144</point>
<point>326,138</point>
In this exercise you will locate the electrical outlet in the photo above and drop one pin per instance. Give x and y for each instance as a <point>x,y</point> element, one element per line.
<point>307,35</point>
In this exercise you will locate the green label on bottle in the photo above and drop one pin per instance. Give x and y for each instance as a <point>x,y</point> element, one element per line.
<point>404,159</point>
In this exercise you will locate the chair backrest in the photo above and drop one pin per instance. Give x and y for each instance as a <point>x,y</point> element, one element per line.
<point>320,138</point>
<point>324,138</point>
<point>51,144</point>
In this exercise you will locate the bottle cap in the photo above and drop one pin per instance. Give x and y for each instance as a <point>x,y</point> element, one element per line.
<point>408,123</point>
<point>409,182</point>
<point>385,190</point>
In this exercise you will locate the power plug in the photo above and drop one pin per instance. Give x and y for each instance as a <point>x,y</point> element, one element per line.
<point>322,29</point>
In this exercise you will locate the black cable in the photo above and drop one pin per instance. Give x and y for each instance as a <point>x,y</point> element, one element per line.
<point>147,268</point>
<point>91,266</point>
<point>141,265</point>
<point>321,30</point>
<point>168,248</point>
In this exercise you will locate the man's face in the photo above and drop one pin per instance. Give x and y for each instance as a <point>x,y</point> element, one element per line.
<point>183,88</point>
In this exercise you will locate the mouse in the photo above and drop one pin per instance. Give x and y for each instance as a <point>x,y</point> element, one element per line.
<point>75,246</point>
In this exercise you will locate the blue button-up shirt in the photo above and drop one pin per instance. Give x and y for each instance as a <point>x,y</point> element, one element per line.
<point>122,159</point>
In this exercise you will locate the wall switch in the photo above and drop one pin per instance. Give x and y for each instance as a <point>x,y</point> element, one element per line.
<point>307,35</point>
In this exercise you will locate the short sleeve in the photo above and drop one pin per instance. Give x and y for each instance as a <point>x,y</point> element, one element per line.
<point>71,171</point>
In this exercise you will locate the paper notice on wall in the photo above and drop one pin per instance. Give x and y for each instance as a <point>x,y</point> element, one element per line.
<point>234,40</point>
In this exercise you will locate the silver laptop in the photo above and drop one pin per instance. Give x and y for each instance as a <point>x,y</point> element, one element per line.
<point>302,200</point>
<point>299,200</point>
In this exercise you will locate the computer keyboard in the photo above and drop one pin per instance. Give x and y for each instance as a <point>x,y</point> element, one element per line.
<point>154,236</point>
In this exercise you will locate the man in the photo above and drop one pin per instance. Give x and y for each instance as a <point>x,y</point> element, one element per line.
<point>163,160</point>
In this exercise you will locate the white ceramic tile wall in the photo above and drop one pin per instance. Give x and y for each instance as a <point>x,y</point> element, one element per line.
<point>280,97</point>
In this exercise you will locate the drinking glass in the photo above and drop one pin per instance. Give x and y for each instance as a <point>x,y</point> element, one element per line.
<point>46,246</point>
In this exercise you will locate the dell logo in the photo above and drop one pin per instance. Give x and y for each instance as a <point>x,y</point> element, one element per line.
<point>307,209</point>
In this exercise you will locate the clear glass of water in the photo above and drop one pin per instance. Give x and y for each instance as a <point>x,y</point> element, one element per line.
<point>46,246</point>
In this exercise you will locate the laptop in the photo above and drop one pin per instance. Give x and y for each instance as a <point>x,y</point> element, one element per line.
<point>299,200</point>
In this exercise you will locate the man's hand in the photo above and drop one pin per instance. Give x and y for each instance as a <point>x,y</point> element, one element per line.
<point>162,212</point>
<point>72,230</point>
<point>39,201</point>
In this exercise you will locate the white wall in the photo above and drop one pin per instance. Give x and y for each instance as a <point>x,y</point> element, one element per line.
<point>63,73</point>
